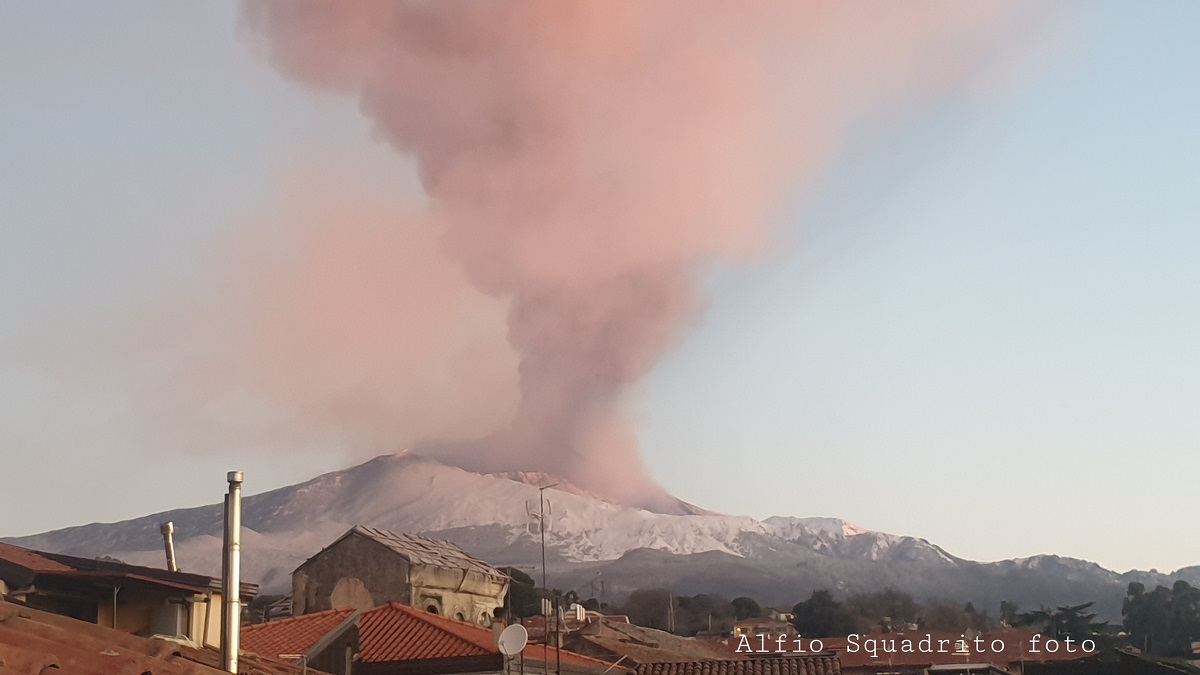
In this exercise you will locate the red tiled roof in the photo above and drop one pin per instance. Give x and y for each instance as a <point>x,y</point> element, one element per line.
<point>785,665</point>
<point>32,641</point>
<point>30,560</point>
<point>295,635</point>
<point>395,632</point>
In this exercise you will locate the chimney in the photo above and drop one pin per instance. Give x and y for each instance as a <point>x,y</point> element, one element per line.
<point>168,529</point>
<point>231,578</point>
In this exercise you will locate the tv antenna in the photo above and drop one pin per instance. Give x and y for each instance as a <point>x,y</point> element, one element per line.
<point>540,520</point>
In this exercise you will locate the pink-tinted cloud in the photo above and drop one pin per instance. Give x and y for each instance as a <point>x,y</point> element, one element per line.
<point>585,162</point>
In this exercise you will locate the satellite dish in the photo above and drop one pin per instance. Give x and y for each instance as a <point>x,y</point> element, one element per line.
<point>512,640</point>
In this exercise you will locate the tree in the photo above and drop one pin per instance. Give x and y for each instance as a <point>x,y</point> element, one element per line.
<point>701,612</point>
<point>522,599</point>
<point>822,616</point>
<point>1009,612</point>
<point>945,617</point>
<point>1068,621</point>
<point>1163,621</point>
<point>648,607</point>
<point>887,610</point>
<point>745,608</point>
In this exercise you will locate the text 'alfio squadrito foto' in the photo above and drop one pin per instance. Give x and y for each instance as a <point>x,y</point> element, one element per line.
<point>874,646</point>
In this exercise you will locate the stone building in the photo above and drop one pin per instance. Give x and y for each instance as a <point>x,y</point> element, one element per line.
<point>366,568</point>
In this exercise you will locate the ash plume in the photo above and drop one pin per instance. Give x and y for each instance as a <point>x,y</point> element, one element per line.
<point>586,162</point>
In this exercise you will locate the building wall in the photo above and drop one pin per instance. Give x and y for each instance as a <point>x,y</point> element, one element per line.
<point>466,596</point>
<point>338,657</point>
<point>84,609</point>
<point>138,609</point>
<point>200,605</point>
<point>361,571</point>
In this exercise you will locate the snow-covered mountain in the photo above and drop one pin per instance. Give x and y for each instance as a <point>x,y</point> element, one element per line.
<point>779,559</point>
<point>488,512</point>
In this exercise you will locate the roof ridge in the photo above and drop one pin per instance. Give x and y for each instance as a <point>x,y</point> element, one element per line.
<point>375,531</point>
<point>296,618</point>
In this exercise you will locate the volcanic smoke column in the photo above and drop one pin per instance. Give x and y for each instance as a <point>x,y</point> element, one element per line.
<point>587,160</point>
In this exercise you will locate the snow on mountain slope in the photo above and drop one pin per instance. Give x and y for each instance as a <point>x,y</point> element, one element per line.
<point>687,548</point>
<point>405,493</point>
<point>830,526</point>
<point>488,514</point>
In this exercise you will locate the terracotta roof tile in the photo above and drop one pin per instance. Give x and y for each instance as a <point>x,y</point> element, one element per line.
<point>295,635</point>
<point>31,640</point>
<point>395,632</point>
<point>31,560</point>
<point>816,664</point>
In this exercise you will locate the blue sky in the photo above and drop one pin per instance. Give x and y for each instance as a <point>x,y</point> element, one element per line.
<point>981,329</point>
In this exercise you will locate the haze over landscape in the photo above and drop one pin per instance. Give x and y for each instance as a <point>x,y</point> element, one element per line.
<point>928,268</point>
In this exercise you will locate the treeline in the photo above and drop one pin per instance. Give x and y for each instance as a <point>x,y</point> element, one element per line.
<point>886,611</point>
<point>687,615</point>
<point>1165,621</point>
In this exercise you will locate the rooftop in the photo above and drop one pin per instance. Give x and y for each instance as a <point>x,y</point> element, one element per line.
<point>817,664</point>
<point>33,642</point>
<point>395,632</point>
<point>22,565</point>
<point>420,550</point>
<point>295,635</point>
<point>639,644</point>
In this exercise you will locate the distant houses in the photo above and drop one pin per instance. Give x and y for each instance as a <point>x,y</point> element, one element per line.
<point>770,626</point>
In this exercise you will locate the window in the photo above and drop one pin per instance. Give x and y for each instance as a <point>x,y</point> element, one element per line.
<point>432,609</point>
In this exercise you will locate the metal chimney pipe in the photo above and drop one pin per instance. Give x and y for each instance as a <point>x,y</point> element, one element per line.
<point>168,529</point>
<point>231,623</point>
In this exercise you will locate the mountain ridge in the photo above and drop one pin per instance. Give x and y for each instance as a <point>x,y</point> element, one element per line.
<point>778,559</point>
